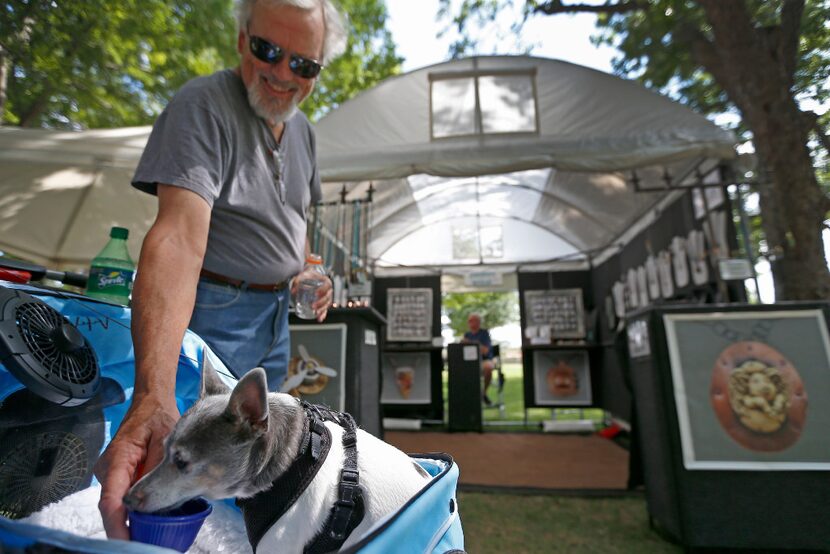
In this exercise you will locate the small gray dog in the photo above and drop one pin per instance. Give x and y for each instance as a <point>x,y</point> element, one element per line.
<point>269,449</point>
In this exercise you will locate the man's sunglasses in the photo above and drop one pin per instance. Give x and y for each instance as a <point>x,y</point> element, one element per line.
<point>273,54</point>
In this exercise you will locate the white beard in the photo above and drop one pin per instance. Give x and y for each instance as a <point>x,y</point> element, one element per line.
<point>266,109</point>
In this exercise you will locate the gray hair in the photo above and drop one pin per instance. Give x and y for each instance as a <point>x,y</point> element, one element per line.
<point>334,41</point>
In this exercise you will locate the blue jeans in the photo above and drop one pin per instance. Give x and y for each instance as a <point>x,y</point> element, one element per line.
<point>245,328</point>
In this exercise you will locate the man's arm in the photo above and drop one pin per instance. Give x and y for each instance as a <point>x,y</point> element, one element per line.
<point>486,342</point>
<point>163,299</point>
<point>165,288</point>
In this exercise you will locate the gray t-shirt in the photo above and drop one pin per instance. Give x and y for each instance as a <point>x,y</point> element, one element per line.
<point>209,140</point>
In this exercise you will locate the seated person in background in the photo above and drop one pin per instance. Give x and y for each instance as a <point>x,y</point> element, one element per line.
<point>482,337</point>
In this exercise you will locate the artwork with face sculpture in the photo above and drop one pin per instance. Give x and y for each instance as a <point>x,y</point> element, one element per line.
<point>562,380</point>
<point>561,377</point>
<point>758,396</point>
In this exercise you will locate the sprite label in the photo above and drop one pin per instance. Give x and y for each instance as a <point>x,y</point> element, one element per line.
<point>109,280</point>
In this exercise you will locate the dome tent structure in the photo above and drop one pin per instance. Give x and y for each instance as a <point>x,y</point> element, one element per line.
<point>496,160</point>
<point>523,159</point>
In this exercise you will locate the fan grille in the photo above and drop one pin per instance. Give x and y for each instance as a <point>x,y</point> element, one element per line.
<point>36,322</point>
<point>42,469</point>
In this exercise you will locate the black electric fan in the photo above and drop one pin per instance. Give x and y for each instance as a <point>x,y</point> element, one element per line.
<point>44,351</point>
<point>52,431</point>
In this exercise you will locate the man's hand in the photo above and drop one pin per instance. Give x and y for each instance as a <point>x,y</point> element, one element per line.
<point>324,299</point>
<point>137,448</point>
<point>324,292</point>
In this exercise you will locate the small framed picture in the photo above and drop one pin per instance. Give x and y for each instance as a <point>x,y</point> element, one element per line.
<point>409,315</point>
<point>561,378</point>
<point>407,378</point>
<point>317,364</point>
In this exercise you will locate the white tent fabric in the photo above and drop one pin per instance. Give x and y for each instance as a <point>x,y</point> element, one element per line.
<point>587,121</point>
<point>493,160</point>
<point>539,155</point>
<point>62,191</point>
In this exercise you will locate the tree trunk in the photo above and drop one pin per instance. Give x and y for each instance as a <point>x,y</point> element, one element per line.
<point>751,65</point>
<point>793,209</point>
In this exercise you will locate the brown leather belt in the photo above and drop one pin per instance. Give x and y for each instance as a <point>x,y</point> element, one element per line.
<point>238,283</point>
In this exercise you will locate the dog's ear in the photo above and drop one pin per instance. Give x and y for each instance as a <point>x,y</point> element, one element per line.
<point>249,399</point>
<point>211,383</point>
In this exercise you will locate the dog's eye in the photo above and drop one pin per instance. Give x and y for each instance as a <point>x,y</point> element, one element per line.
<point>181,463</point>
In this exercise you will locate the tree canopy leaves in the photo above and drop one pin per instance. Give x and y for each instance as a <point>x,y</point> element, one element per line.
<point>96,63</point>
<point>369,58</point>
<point>495,308</point>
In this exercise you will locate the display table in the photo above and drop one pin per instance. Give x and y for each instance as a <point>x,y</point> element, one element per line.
<point>733,411</point>
<point>362,360</point>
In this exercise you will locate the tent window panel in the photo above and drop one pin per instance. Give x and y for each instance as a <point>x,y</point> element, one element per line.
<point>464,243</point>
<point>492,242</point>
<point>453,107</point>
<point>467,242</point>
<point>508,104</point>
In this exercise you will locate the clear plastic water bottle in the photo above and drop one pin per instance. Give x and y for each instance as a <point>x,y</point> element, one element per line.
<point>112,270</point>
<point>307,287</point>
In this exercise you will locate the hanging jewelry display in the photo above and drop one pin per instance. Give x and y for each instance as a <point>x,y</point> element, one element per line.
<point>716,235</point>
<point>679,263</point>
<point>653,280</point>
<point>610,314</point>
<point>618,291</point>
<point>642,286</point>
<point>664,270</point>
<point>632,296</point>
<point>697,257</point>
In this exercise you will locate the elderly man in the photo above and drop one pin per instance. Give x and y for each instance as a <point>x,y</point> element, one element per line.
<point>233,164</point>
<point>482,337</point>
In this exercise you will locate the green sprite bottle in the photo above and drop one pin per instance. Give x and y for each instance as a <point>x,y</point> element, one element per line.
<point>111,271</point>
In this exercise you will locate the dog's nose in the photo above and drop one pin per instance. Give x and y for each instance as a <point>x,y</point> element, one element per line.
<point>133,500</point>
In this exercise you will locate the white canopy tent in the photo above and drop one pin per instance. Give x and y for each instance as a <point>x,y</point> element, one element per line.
<point>497,161</point>
<point>505,160</point>
<point>62,191</point>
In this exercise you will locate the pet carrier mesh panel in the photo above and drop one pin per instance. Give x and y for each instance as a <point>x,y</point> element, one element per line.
<point>66,377</point>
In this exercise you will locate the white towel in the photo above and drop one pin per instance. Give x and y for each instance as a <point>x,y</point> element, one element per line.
<point>223,531</point>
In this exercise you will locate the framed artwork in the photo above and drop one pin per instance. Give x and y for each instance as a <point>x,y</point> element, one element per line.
<point>407,378</point>
<point>561,378</point>
<point>317,364</point>
<point>560,310</point>
<point>409,314</point>
<point>751,389</point>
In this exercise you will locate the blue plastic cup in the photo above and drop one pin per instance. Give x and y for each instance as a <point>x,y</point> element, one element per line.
<point>176,529</point>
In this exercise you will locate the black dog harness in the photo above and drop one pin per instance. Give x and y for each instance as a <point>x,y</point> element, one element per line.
<point>265,508</point>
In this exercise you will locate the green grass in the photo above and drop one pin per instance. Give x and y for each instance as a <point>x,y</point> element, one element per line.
<point>553,524</point>
<point>518,524</point>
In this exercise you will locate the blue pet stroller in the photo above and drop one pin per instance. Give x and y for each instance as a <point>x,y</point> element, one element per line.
<point>66,378</point>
